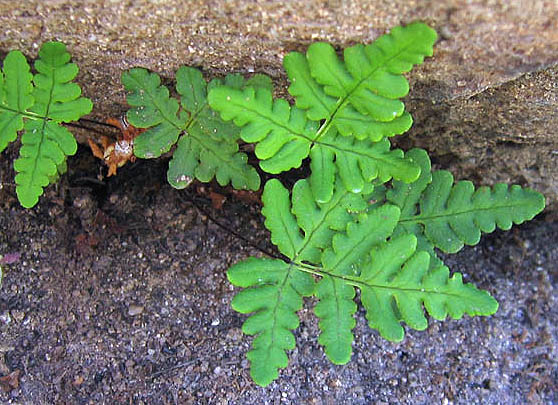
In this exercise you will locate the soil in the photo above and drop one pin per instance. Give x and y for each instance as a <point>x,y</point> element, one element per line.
<point>120,296</point>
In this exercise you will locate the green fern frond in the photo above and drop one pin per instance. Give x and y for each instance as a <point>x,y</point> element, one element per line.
<point>301,231</point>
<point>274,294</point>
<point>357,162</point>
<point>15,96</point>
<point>347,224</point>
<point>39,109</point>
<point>336,306</point>
<point>397,282</point>
<point>449,216</point>
<point>360,96</point>
<point>282,133</point>
<point>207,146</point>
<point>304,229</point>
<point>285,137</point>
<point>153,109</point>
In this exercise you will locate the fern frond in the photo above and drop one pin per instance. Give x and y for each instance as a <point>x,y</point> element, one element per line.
<point>284,138</point>
<point>274,294</point>
<point>360,96</point>
<point>52,100</point>
<point>153,108</point>
<point>451,215</point>
<point>15,96</point>
<point>304,229</point>
<point>207,146</point>
<point>406,196</point>
<point>336,306</point>
<point>397,282</point>
<point>301,231</point>
<point>283,134</point>
<point>346,224</point>
<point>357,163</point>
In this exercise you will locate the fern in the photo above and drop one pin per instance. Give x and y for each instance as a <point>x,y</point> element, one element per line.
<point>348,244</point>
<point>348,226</point>
<point>206,146</point>
<point>369,217</point>
<point>279,285</point>
<point>38,104</point>
<point>397,282</point>
<point>357,98</point>
<point>448,216</point>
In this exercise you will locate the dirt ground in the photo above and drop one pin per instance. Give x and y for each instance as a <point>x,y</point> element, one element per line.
<point>120,296</point>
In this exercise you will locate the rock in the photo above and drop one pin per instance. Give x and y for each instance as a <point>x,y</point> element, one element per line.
<point>134,310</point>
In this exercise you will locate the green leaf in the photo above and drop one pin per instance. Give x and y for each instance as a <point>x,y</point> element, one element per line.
<point>55,96</point>
<point>283,135</point>
<point>346,224</point>
<point>303,231</point>
<point>451,215</point>
<point>284,138</point>
<point>207,146</point>
<point>370,79</point>
<point>360,96</point>
<point>397,282</point>
<point>15,96</point>
<point>285,233</point>
<point>275,295</point>
<point>54,99</point>
<point>335,310</point>
<point>360,162</point>
<point>153,108</point>
<point>360,99</point>
<point>336,306</point>
<point>406,196</point>
<point>204,158</point>
<point>45,145</point>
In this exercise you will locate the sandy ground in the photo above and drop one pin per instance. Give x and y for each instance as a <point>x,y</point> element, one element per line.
<point>120,297</point>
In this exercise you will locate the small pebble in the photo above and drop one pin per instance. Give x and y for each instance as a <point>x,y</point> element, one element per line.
<point>134,310</point>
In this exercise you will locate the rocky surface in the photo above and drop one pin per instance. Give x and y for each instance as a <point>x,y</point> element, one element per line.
<point>485,104</point>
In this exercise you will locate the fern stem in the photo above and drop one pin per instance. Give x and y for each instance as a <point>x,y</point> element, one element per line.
<point>357,282</point>
<point>26,114</point>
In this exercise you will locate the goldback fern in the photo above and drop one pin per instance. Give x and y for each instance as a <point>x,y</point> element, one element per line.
<point>38,104</point>
<point>368,217</point>
<point>207,147</point>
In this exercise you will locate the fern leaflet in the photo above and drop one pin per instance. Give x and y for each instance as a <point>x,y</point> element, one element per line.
<point>275,295</point>
<point>336,306</point>
<point>15,96</point>
<point>207,146</point>
<point>397,281</point>
<point>39,109</point>
<point>360,96</point>
<point>448,216</point>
